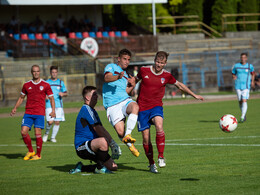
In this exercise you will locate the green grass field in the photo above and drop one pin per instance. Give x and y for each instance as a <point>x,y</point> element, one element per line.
<point>201,159</point>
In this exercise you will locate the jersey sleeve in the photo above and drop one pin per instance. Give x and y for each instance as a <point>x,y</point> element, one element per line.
<point>24,92</point>
<point>139,74</point>
<point>252,68</point>
<point>109,68</point>
<point>172,80</point>
<point>63,87</point>
<point>48,90</point>
<point>234,69</point>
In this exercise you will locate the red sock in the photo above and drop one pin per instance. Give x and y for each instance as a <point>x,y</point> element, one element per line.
<point>160,142</point>
<point>28,142</point>
<point>149,152</point>
<point>38,144</point>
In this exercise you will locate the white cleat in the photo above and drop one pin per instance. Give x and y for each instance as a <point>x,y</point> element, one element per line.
<point>161,162</point>
<point>153,168</point>
<point>53,140</point>
<point>45,138</point>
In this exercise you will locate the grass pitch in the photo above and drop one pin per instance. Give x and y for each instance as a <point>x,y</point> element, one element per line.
<point>201,159</point>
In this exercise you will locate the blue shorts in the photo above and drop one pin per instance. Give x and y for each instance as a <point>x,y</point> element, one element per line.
<point>145,117</point>
<point>29,120</point>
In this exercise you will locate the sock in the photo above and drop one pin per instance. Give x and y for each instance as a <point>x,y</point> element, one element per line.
<point>160,142</point>
<point>55,130</point>
<point>39,144</point>
<point>88,168</point>
<point>148,149</point>
<point>28,142</point>
<point>131,122</point>
<point>244,109</point>
<point>240,106</point>
<point>48,128</point>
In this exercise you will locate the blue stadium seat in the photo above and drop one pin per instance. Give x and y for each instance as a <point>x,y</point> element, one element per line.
<point>118,34</point>
<point>31,36</point>
<point>92,34</point>
<point>105,34</point>
<point>79,35</point>
<point>16,36</point>
<point>53,41</point>
<point>45,36</point>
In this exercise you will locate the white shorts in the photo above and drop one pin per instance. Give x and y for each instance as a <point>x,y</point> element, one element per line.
<point>118,112</point>
<point>59,114</point>
<point>242,94</point>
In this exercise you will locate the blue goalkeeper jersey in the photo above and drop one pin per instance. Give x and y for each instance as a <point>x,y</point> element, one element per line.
<point>243,73</point>
<point>86,119</point>
<point>114,92</point>
<point>57,86</point>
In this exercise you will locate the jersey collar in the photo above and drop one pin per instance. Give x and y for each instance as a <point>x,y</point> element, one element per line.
<point>151,68</point>
<point>35,82</point>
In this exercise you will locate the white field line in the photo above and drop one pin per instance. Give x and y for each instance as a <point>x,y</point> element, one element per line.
<point>212,138</point>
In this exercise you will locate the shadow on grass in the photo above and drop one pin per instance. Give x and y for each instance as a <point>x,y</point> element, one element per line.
<point>13,156</point>
<point>189,179</point>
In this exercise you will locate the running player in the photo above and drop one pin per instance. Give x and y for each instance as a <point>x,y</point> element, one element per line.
<point>154,79</point>
<point>59,91</point>
<point>91,138</point>
<point>36,91</point>
<point>116,100</point>
<point>244,76</point>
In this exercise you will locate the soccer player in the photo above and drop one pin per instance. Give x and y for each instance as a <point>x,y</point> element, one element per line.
<point>244,76</point>
<point>59,91</point>
<point>154,79</point>
<point>36,91</point>
<point>116,100</point>
<point>91,138</point>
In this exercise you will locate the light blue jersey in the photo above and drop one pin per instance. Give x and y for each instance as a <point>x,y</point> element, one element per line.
<point>243,73</point>
<point>56,87</point>
<point>114,92</point>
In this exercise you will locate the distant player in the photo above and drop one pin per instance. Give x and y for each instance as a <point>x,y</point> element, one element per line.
<point>36,91</point>
<point>116,99</point>
<point>92,139</point>
<point>154,79</point>
<point>59,91</point>
<point>244,76</point>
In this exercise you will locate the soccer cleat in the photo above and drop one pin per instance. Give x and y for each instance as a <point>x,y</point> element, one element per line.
<point>77,168</point>
<point>104,170</point>
<point>134,151</point>
<point>29,155</point>
<point>153,168</point>
<point>243,119</point>
<point>161,162</point>
<point>36,157</point>
<point>128,139</point>
<point>53,140</point>
<point>45,138</point>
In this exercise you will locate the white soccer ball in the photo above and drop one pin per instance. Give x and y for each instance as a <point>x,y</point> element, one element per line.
<point>228,123</point>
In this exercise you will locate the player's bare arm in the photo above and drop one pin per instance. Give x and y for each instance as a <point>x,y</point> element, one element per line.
<point>109,77</point>
<point>131,84</point>
<point>102,132</point>
<point>52,114</point>
<point>18,103</point>
<point>234,77</point>
<point>63,94</point>
<point>253,80</point>
<point>185,89</point>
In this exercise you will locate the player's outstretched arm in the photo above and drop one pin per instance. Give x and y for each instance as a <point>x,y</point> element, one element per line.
<point>109,77</point>
<point>131,84</point>
<point>185,89</point>
<point>18,103</point>
<point>52,114</point>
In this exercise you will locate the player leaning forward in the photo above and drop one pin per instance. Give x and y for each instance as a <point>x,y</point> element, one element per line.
<point>116,100</point>
<point>36,91</point>
<point>154,79</point>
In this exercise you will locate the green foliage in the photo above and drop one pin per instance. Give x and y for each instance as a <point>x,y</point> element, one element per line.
<point>192,7</point>
<point>161,11</point>
<point>248,6</point>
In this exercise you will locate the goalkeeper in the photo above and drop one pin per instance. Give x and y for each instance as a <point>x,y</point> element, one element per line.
<point>92,141</point>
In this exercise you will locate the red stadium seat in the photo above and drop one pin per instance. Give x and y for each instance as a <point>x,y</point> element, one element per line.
<point>111,33</point>
<point>38,36</point>
<point>72,35</point>
<point>24,37</point>
<point>99,34</point>
<point>85,34</point>
<point>52,35</point>
<point>60,41</point>
<point>124,33</point>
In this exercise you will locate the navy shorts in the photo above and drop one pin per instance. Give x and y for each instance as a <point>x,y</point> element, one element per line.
<point>145,117</point>
<point>29,120</point>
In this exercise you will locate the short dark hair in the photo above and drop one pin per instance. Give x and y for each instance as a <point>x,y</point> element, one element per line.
<point>35,65</point>
<point>53,67</point>
<point>124,52</point>
<point>162,55</point>
<point>87,89</point>
<point>242,54</point>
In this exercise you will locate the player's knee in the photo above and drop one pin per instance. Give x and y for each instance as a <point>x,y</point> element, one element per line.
<point>103,144</point>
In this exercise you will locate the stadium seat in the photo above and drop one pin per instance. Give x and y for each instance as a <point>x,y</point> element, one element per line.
<point>38,36</point>
<point>79,35</point>
<point>85,34</point>
<point>124,33</point>
<point>92,34</point>
<point>31,36</point>
<point>99,34</point>
<point>16,36</point>
<point>105,34</point>
<point>24,37</point>
<point>45,36</point>
<point>111,34</point>
<point>53,41</point>
<point>72,35</point>
<point>118,34</point>
<point>60,41</point>
<point>52,35</point>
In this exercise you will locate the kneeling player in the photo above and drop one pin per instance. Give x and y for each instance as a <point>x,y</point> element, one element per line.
<point>92,141</point>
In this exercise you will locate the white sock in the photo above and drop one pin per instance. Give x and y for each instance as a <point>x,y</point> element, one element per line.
<point>244,109</point>
<point>130,124</point>
<point>55,131</point>
<point>48,128</point>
